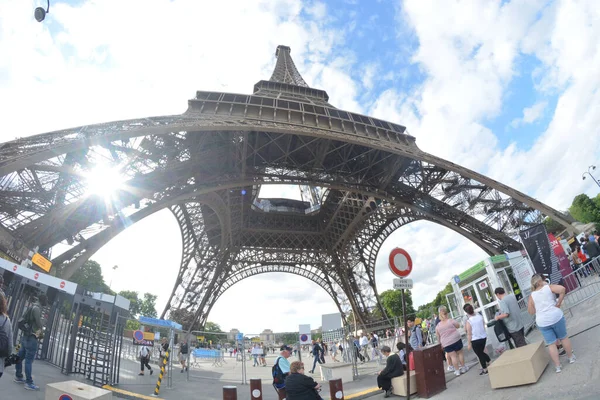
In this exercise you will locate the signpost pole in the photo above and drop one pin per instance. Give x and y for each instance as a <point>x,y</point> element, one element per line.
<point>406,343</point>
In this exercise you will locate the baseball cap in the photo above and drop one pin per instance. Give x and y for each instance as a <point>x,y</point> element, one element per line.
<point>285,347</point>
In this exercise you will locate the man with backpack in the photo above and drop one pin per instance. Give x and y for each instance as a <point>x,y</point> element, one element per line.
<point>31,326</point>
<point>183,352</point>
<point>145,360</point>
<point>416,334</point>
<point>281,369</point>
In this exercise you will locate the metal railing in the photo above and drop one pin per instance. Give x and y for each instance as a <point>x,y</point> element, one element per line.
<point>582,284</point>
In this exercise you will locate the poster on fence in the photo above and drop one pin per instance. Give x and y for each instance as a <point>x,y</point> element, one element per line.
<point>537,245</point>
<point>564,264</point>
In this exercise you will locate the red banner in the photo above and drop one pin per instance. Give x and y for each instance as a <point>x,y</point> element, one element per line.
<point>563,263</point>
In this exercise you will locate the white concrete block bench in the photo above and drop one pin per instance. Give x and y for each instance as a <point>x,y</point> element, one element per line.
<point>399,384</point>
<point>77,391</point>
<point>519,366</point>
<point>340,370</point>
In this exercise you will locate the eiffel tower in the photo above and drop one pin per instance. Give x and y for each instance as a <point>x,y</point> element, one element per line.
<point>356,180</point>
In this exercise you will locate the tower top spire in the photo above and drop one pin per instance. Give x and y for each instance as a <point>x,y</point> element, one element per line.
<point>285,69</point>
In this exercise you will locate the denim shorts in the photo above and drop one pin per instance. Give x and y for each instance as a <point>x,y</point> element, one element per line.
<point>554,331</point>
<point>456,346</point>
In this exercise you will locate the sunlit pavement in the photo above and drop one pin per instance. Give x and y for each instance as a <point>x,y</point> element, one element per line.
<point>577,381</point>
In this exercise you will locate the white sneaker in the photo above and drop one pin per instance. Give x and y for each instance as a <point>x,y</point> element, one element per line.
<point>463,369</point>
<point>450,368</point>
<point>558,369</point>
<point>572,359</point>
<point>457,373</point>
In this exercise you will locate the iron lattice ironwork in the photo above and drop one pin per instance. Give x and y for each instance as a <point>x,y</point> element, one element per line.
<point>360,179</point>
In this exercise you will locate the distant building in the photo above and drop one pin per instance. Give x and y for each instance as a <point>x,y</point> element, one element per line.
<point>232,334</point>
<point>267,337</point>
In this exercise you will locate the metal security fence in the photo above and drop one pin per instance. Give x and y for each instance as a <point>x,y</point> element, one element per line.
<point>582,284</point>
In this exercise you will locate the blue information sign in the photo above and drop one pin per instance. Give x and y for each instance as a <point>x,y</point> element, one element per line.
<point>239,337</point>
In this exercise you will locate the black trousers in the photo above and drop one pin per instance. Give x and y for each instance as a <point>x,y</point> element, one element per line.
<point>384,382</point>
<point>145,361</point>
<point>478,347</point>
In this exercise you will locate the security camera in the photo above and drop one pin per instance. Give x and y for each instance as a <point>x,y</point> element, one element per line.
<point>39,13</point>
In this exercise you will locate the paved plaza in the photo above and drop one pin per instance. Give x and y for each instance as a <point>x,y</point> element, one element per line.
<point>577,381</point>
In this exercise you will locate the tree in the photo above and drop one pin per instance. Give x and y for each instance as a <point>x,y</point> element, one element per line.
<point>148,306</point>
<point>213,327</point>
<point>90,277</point>
<point>288,337</point>
<point>134,300</point>
<point>552,226</point>
<point>391,300</point>
<point>585,209</point>
<point>185,318</point>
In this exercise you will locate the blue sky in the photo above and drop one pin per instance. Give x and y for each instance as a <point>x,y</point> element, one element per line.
<point>510,89</point>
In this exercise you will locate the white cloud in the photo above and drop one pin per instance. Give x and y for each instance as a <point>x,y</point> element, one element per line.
<point>530,114</point>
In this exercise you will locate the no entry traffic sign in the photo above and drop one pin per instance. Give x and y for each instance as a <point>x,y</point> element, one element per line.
<point>400,263</point>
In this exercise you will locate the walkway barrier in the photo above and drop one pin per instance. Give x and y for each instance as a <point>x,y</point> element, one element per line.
<point>162,373</point>
<point>229,392</point>
<point>336,390</point>
<point>582,284</point>
<point>256,389</point>
<point>214,356</point>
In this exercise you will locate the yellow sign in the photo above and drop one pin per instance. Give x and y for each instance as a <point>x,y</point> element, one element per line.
<point>41,262</point>
<point>255,340</point>
<point>200,338</point>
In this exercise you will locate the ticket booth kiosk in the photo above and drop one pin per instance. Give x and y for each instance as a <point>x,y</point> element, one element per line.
<point>512,271</point>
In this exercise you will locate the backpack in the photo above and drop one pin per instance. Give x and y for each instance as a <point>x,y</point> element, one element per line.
<point>501,331</point>
<point>278,375</point>
<point>24,322</point>
<point>4,342</point>
<point>184,348</point>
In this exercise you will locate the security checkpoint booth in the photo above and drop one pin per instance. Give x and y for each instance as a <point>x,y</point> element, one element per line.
<point>173,328</point>
<point>512,271</point>
<point>82,331</point>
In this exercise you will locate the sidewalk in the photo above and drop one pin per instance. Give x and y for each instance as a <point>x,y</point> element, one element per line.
<point>577,381</point>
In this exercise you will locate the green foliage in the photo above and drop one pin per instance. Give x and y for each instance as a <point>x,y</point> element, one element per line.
<point>213,327</point>
<point>585,209</point>
<point>185,318</point>
<point>148,306</point>
<point>132,325</point>
<point>287,338</point>
<point>427,310</point>
<point>391,300</point>
<point>90,277</point>
<point>132,296</point>
<point>552,226</point>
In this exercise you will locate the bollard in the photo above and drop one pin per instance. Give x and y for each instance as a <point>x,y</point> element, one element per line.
<point>255,389</point>
<point>336,391</point>
<point>229,392</point>
<point>161,374</point>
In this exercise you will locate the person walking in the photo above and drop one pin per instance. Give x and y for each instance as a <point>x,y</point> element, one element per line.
<point>477,337</point>
<point>299,386</point>
<point>393,368</point>
<point>183,354</point>
<point>448,335</point>
<point>6,332</point>
<point>549,318</point>
<point>145,360</point>
<point>316,352</point>
<point>31,331</point>
<point>510,314</point>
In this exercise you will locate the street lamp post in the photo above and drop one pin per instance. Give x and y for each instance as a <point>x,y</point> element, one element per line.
<point>113,275</point>
<point>589,172</point>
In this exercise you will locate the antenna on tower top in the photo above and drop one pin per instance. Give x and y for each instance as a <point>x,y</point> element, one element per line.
<point>285,69</point>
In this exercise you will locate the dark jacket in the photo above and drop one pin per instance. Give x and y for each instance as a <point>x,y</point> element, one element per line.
<point>393,367</point>
<point>592,248</point>
<point>301,387</point>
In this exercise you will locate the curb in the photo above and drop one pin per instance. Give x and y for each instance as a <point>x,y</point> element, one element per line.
<point>364,394</point>
<point>125,394</point>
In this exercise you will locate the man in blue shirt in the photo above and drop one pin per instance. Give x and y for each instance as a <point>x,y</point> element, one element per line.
<point>282,362</point>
